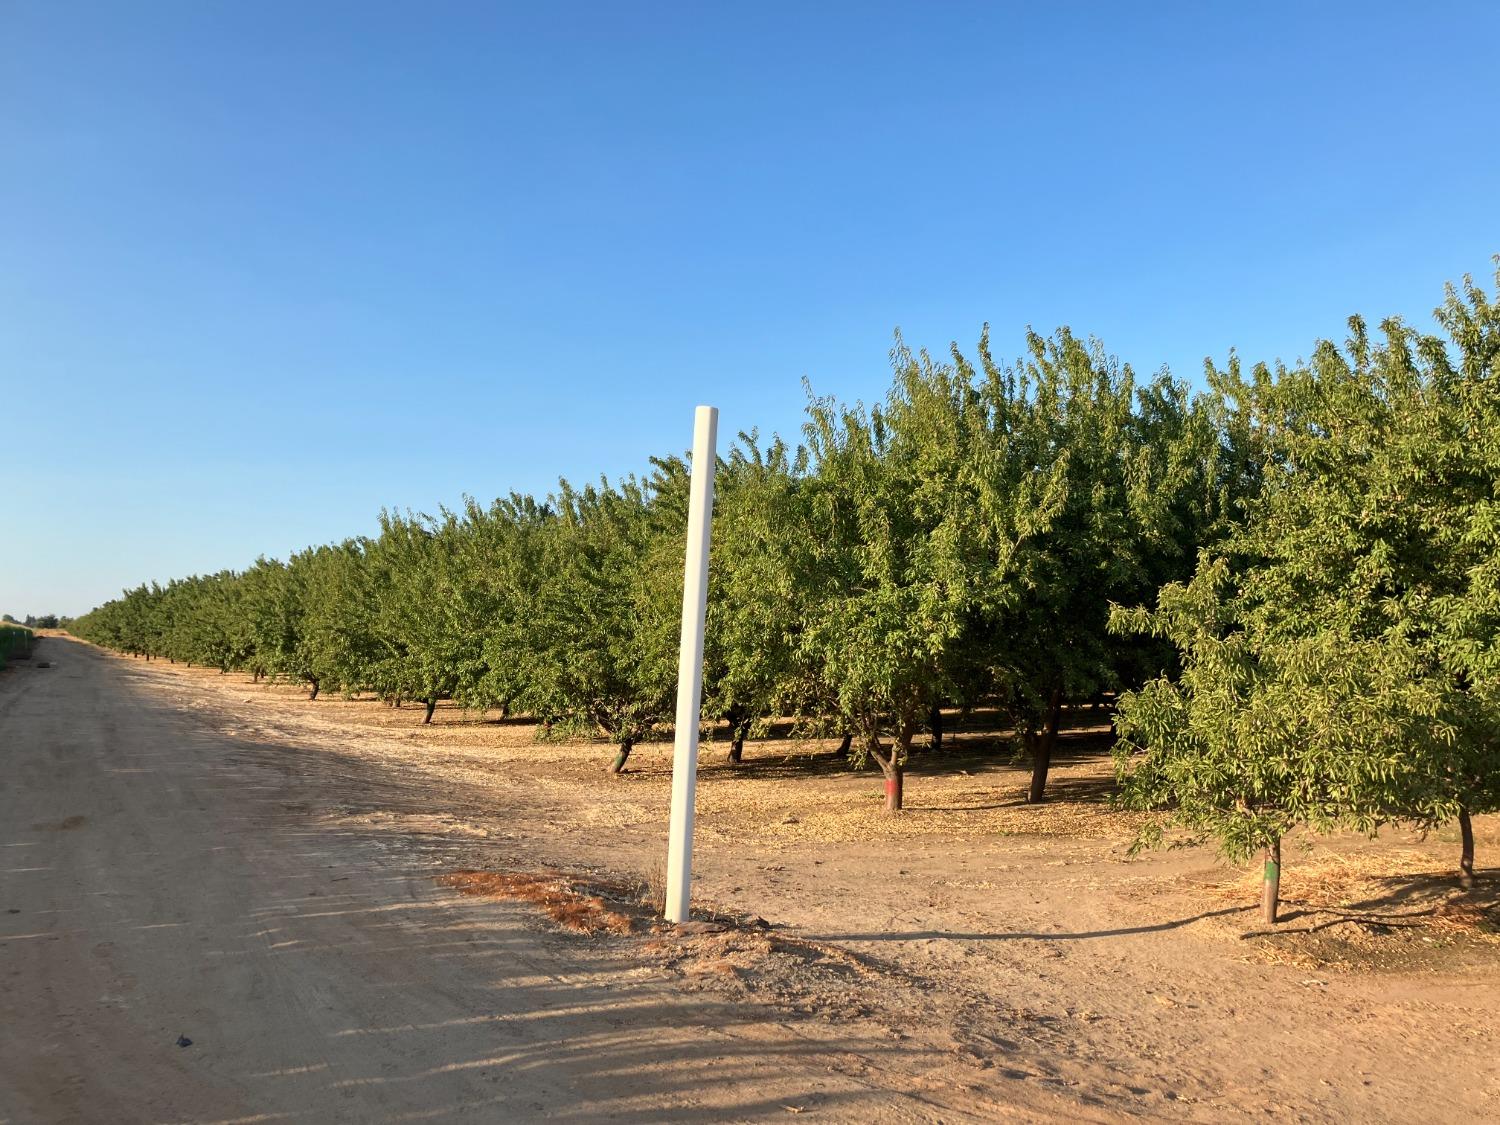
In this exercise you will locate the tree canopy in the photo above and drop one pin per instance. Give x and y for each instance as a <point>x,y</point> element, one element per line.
<point>1290,579</point>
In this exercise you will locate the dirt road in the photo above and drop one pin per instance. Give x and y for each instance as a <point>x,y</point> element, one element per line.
<point>161,880</point>
<point>188,854</point>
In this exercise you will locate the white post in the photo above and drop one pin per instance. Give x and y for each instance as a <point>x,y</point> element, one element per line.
<point>690,666</point>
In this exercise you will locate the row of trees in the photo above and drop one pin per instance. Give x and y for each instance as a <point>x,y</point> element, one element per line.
<point>961,542</point>
<point>1291,576</point>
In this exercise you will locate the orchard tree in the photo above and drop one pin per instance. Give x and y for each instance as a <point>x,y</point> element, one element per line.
<point>911,528</point>
<point>271,618</point>
<point>337,645</point>
<point>600,629</point>
<point>1262,733</point>
<point>1134,494</point>
<point>1338,656</point>
<point>425,645</point>
<point>500,568</point>
<point>754,667</point>
<point>1466,611</point>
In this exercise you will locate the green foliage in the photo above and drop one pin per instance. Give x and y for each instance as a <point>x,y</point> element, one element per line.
<point>599,630</point>
<point>1338,649</point>
<point>1260,735</point>
<point>756,611</point>
<point>1319,546</point>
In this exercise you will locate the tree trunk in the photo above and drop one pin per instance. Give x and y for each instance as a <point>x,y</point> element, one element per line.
<point>1466,853</point>
<point>893,779</point>
<point>892,765</point>
<point>935,722</point>
<point>314,693</point>
<point>894,772</point>
<point>1041,749</point>
<point>626,746</point>
<point>1270,892</point>
<point>738,728</point>
<point>431,707</point>
<point>846,745</point>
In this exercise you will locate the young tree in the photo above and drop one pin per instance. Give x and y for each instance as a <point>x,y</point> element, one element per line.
<point>1262,732</point>
<point>1338,657</point>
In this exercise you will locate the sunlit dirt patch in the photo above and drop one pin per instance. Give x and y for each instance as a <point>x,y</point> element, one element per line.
<point>556,896</point>
<point>800,976</point>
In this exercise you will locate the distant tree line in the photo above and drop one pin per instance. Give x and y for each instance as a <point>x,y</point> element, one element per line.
<point>32,621</point>
<point>1290,579</point>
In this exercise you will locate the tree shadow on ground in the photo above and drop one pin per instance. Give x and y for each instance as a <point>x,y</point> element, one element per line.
<point>1411,901</point>
<point>954,935</point>
<point>1059,790</point>
<point>982,757</point>
<point>1400,890</point>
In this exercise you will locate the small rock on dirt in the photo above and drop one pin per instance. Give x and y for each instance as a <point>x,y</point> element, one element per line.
<point>184,1041</point>
<point>695,927</point>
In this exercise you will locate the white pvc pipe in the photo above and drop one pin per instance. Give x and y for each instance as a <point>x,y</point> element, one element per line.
<point>690,666</point>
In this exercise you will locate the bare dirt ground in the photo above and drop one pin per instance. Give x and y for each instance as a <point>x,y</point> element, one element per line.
<point>282,883</point>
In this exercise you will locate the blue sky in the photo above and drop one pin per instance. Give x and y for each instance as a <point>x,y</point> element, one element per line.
<point>266,268</point>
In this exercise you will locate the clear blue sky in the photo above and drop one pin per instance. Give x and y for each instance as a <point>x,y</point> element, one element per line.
<point>268,267</point>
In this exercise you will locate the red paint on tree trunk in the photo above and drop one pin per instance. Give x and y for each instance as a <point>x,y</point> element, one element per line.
<point>893,790</point>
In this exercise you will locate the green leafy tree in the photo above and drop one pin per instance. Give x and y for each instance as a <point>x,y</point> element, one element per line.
<point>1338,653</point>
<point>337,647</point>
<point>601,622</point>
<point>1134,494</point>
<point>500,567</point>
<point>754,668</point>
<point>911,544</point>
